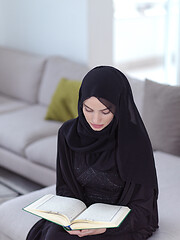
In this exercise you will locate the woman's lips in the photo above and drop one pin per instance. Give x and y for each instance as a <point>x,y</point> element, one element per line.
<point>97,125</point>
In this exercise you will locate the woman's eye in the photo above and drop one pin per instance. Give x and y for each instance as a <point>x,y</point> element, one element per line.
<point>107,111</point>
<point>87,109</point>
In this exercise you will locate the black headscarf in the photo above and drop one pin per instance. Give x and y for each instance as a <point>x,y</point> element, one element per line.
<point>126,133</point>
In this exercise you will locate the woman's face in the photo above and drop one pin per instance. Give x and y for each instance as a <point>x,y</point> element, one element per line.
<point>97,114</point>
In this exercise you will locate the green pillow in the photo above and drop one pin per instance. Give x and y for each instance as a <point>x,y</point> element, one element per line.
<point>64,101</point>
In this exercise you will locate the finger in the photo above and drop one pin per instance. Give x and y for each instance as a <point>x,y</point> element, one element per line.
<point>85,230</point>
<point>84,233</point>
<point>74,232</point>
<point>91,232</point>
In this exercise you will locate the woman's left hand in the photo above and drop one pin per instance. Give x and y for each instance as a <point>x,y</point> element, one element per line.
<point>86,232</point>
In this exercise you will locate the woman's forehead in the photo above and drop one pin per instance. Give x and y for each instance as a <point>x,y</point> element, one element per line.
<point>94,103</point>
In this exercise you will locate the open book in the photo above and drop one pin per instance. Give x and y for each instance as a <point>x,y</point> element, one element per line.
<point>73,214</point>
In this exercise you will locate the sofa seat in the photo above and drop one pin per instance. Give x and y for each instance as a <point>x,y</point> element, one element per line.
<point>10,104</point>
<point>22,127</point>
<point>20,221</point>
<point>43,152</point>
<point>168,171</point>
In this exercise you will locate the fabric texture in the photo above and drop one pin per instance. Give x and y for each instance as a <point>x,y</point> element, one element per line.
<point>63,105</point>
<point>23,79</point>
<point>138,225</point>
<point>137,87</point>
<point>27,125</point>
<point>24,167</point>
<point>161,115</point>
<point>8,104</point>
<point>43,152</point>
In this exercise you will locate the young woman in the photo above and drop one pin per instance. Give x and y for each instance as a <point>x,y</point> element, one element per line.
<point>105,155</point>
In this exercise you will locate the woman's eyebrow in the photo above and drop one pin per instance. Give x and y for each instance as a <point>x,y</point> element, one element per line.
<point>92,109</point>
<point>87,106</point>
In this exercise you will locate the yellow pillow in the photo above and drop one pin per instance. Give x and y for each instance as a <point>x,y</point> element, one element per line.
<point>64,101</point>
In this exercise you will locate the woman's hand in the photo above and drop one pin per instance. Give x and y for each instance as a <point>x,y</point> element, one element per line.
<point>86,232</point>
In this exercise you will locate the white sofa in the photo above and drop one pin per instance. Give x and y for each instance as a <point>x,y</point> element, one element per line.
<point>28,142</point>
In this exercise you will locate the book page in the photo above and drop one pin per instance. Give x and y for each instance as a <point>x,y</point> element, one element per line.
<point>100,212</point>
<point>67,206</point>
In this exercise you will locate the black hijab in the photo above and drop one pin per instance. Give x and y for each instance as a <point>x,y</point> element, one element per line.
<point>126,133</point>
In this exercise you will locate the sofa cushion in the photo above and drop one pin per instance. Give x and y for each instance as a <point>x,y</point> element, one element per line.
<point>161,114</point>
<point>22,127</point>
<point>64,102</point>
<point>10,104</point>
<point>137,87</point>
<point>57,68</point>
<point>16,223</point>
<point>43,152</point>
<point>168,173</point>
<point>26,168</point>
<point>20,74</point>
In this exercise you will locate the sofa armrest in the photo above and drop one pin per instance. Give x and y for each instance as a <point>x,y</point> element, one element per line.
<point>16,223</point>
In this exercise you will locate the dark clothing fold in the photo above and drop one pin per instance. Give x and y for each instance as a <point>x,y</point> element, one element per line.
<point>107,187</point>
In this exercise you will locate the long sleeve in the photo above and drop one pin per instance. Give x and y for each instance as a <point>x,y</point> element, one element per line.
<point>61,187</point>
<point>143,218</point>
<point>66,183</point>
<point>141,222</point>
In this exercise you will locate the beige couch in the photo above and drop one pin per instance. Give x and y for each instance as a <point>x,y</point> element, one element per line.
<point>28,142</point>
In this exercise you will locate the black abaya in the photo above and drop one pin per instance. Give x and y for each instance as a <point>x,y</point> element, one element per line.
<point>114,165</point>
<point>107,187</point>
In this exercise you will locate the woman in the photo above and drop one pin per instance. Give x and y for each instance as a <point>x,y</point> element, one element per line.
<point>105,155</point>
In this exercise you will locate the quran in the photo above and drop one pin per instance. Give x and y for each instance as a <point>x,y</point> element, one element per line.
<point>73,214</point>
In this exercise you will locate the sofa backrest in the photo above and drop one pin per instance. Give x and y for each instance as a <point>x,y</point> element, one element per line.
<point>56,68</point>
<point>137,87</point>
<point>20,74</point>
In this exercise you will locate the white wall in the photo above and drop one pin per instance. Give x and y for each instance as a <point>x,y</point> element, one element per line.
<point>1,24</point>
<point>100,32</point>
<point>77,29</point>
<point>138,38</point>
<point>46,27</point>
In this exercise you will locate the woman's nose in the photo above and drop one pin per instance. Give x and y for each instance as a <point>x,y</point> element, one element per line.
<point>96,118</point>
